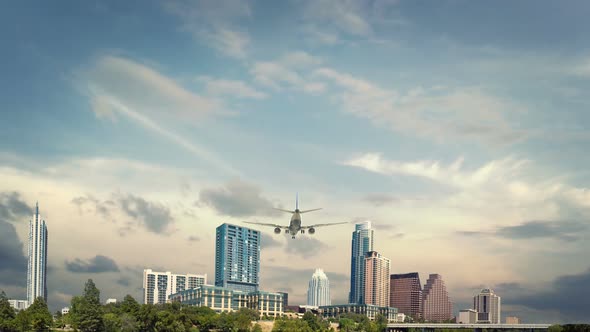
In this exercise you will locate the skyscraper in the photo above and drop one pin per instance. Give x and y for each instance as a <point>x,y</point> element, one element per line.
<point>362,242</point>
<point>157,286</point>
<point>376,279</point>
<point>406,294</point>
<point>318,293</point>
<point>37,268</point>
<point>436,303</point>
<point>237,258</point>
<point>488,307</point>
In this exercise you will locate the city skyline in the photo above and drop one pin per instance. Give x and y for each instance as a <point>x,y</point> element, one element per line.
<point>458,128</point>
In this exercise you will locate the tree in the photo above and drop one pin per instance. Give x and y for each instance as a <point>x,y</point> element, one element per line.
<point>128,323</point>
<point>381,323</point>
<point>112,322</point>
<point>22,321</point>
<point>555,328</point>
<point>130,305</point>
<point>7,314</point>
<point>86,310</point>
<point>257,328</point>
<point>39,317</point>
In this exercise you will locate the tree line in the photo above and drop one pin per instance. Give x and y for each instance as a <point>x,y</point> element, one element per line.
<point>87,314</point>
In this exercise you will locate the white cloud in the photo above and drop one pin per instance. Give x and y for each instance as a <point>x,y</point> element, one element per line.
<point>289,71</point>
<point>118,86</point>
<point>230,88</point>
<point>346,16</point>
<point>213,21</point>
<point>141,87</point>
<point>435,113</point>
<point>503,186</point>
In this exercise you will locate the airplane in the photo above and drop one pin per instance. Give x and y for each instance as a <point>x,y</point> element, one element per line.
<point>295,224</point>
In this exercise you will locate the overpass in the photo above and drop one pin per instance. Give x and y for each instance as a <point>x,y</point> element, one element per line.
<point>426,327</point>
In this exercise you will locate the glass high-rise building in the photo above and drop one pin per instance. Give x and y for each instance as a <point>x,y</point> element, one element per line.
<point>237,258</point>
<point>436,303</point>
<point>37,268</point>
<point>488,307</point>
<point>362,242</point>
<point>406,294</point>
<point>318,293</point>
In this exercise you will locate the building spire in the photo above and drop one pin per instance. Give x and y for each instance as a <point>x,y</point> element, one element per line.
<point>37,208</point>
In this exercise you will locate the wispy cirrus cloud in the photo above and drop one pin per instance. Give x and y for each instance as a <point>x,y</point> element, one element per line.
<point>214,22</point>
<point>290,71</point>
<point>437,113</point>
<point>121,87</point>
<point>230,88</point>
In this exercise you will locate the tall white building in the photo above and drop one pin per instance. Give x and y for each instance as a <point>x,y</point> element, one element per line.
<point>488,307</point>
<point>157,286</point>
<point>37,269</point>
<point>318,293</point>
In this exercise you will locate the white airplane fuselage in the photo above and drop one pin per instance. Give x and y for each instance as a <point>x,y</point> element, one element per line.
<point>295,224</point>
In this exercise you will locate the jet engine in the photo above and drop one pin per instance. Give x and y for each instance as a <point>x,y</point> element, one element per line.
<point>311,230</point>
<point>277,230</point>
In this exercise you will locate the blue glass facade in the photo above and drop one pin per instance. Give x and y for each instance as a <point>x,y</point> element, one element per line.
<point>362,242</point>
<point>237,258</point>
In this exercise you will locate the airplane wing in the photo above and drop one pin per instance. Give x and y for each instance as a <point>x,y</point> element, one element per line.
<point>305,211</point>
<point>321,225</point>
<point>266,224</point>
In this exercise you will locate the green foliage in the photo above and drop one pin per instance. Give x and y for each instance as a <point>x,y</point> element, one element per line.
<point>129,305</point>
<point>288,325</point>
<point>22,322</point>
<point>39,317</point>
<point>257,328</point>
<point>86,311</point>
<point>7,314</point>
<point>555,328</point>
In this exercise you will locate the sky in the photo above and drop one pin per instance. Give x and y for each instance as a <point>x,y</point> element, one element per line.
<point>459,128</point>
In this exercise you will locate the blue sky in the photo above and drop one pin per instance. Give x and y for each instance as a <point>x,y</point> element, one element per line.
<point>453,125</point>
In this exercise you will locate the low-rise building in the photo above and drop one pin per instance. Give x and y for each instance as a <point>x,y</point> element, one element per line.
<point>223,299</point>
<point>65,310</point>
<point>512,320</point>
<point>369,310</point>
<point>109,301</point>
<point>467,316</point>
<point>19,304</point>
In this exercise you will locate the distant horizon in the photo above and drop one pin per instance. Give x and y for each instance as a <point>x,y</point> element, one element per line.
<point>459,128</point>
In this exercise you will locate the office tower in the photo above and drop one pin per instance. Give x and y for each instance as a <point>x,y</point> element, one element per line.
<point>377,279</point>
<point>406,294</point>
<point>237,258</point>
<point>318,293</point>
<point>362,242</point>
<point>157,286</point>
<point>285,299</point>
<point>436,303</point>
<point>37,268</point>
<point>487,304</point>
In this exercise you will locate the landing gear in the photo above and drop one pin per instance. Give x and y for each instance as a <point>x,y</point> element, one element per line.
<point>302,231</point>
